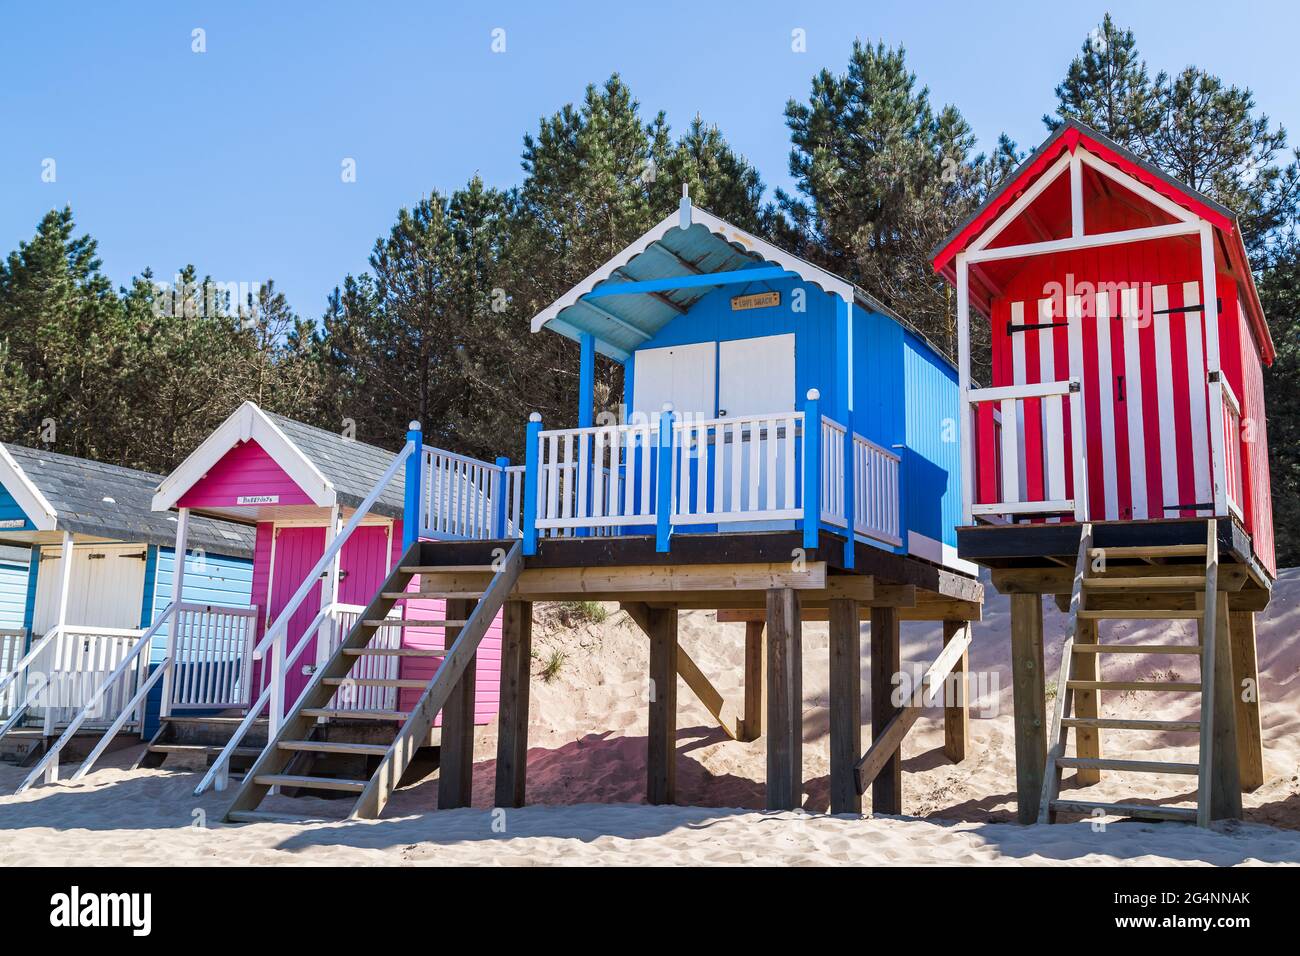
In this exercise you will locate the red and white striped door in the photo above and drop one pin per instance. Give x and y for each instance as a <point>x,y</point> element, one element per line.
<point>1146,403</point>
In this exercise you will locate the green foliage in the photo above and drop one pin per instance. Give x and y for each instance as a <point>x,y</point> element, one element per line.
<point>552,664</point>
<point>575,613</point>
<point>1279,290</point>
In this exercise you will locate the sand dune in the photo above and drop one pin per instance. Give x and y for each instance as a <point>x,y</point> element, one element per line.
<point>587,766</point>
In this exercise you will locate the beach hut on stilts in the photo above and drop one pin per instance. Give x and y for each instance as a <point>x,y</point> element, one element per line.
<point>1115,456</point>
<point>788,452</point>
<point>90,585</point>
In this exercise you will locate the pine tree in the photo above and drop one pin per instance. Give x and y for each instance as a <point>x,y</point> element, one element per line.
<point>1106,87</point>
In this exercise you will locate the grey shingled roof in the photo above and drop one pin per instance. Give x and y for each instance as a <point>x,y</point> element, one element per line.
<point>352,467</point>
<point>77,489</point>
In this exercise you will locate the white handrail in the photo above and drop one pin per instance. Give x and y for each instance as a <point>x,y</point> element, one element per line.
<point>51,757</point>
<point>326,559</point>
<point>222,761</point>
<point>117,724</point>
<point>27,659</point>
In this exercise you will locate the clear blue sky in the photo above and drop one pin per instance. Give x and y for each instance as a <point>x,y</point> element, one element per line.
<point>230,159</point>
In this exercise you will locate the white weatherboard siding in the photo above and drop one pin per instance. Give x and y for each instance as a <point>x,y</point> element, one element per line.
<point>107,586</point>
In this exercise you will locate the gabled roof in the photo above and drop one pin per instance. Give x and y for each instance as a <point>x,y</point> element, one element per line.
<point>1068,137</point>
<point>329,468</point>
<point>106,501</point>
<point>688,244</point>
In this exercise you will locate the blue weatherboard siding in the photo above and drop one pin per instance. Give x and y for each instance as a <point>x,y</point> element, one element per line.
<point>218,580</point>
<point>13,594</point>
<point>9,511</point>
<point>904,393</point>
<point>29,612</point>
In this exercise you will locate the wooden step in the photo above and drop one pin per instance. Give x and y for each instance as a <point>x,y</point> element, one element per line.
<point>1137,649</point>
<point>1172,582</point>
<point>432,595</point>
<point>356,714</point>
<point>392,652</point>
<point>206,750</point>
<point>374,682</point>
<point>313,783</point>
<point>1127,723</point>
<point>1127,810</point>
<point>1167,614</point>
<point>266,816</point>
<point>1162,685</point>
<point>1131,766</point>
<point>334,747</point>
<point>399,622</point>
<point>1149,551</point>
<point>450,569</point>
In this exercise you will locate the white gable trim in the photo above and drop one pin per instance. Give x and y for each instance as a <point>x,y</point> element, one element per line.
<point>761,247</point>
<point>247,422</point>
<point>35,505</point>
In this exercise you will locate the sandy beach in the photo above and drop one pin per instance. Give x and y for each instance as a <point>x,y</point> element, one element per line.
<point>586,778</point>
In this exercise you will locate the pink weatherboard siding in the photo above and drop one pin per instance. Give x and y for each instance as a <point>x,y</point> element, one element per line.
<point>244,470</point>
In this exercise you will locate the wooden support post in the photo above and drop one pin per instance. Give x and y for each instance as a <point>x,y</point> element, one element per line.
<point>886,663</point>
<point>512,714</point>
<point>661,756</point>
<point>956,710</point>
<point>1225,793</point>
<point>1029,695</point>
<point>1245,681</point>
<point>846,704</point>
<point>456,757</point>
<point>1087,703</point>
<point>751,721</point>
<point>784,700</point>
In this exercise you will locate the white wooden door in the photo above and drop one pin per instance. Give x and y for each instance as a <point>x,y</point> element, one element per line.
<point>756,377</point>
<point>107,588</point>
<point>685,375</point>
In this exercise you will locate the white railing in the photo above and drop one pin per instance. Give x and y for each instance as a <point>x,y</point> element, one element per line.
<point>832,473</point>
<point>1233,481</point>
<point>12,642</point>
<point>343,617</point>
<point>460,496</point>
<point>121,692</point>
<point>214,657</point>
<point>601,478</point>
<point>1036,410</point>
<point>276,637</point>
<point>514,485</point>
<point>737,469</point>
<point>875,492</point>
<point>67,674</point>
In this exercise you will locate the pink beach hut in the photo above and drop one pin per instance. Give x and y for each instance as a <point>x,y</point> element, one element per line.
<point>300,486</point>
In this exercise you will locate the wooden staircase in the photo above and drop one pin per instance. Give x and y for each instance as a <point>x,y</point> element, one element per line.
<point>1126,592</point>
<point>202,737</point>
<point>293,746</point>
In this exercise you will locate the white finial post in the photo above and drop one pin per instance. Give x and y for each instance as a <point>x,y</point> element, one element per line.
<point>685,207</point>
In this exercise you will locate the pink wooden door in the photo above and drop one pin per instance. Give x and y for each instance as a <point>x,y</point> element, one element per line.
<point>364,566</point>
<point>296,552</point>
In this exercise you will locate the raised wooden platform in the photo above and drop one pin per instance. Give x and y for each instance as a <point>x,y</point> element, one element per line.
<point>769,581</point>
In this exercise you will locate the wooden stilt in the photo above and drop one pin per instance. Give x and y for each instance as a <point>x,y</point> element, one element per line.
<point>1029,702</point>
<point>1087,703</point>
<point>956,709</point>
<point>512,716</point>
<point>1225,795</point>
<point>887,788</point>
<point>784,700</point>
<point>661,777</point>
<point>1245,685</point>
<point>456,757</point>
<point>751,721</point>
<point>846,704</point>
